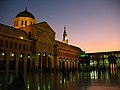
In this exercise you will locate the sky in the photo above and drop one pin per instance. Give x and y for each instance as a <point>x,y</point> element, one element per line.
<point>92,25</point>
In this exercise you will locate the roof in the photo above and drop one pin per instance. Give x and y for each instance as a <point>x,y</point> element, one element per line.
<point>67,46</point>
<point>4,29</point>
<point>25,14</point>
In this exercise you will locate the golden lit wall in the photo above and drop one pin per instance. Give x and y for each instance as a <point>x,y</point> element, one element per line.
<point>23,21</point>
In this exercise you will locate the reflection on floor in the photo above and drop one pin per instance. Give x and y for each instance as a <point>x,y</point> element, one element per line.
<point>64,81</point>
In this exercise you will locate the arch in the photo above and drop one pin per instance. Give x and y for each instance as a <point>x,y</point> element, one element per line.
<point>67,64</point>
<point>12,60</point>
<point>21,61</point>
<point>101,63</point>
<point>95,63</point>
<point>106,63</point>
<point>91,63</point>
<point>63,64</point>
<point>28,62</point>
<point>118,62</point>
<point>70,63</point>
<point>44,61</point>
<point>49,61</point>
<point>60,63</point>
<point>2,60</point>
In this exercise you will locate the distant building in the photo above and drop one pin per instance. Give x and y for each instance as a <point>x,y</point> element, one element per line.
<point>29,45</point>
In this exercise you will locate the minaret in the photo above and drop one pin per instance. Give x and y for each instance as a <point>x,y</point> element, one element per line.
<point>65,39</point>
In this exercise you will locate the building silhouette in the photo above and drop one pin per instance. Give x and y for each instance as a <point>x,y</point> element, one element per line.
<point>29,45</point>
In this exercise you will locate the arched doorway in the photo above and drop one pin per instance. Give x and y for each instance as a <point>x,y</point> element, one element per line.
<point>21,62</point>
<point>28,63</point>
<point>60,63</point>
<point>67,66</point>
<point>44,61</point>
<point>12,61</point>
<point>49,61</point>
<point>106,63</point>
<point>101,63</point>
<point>2,60</point>
<point>118,62</point>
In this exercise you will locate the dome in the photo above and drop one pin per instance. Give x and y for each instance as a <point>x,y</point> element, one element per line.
<point>25,14</point>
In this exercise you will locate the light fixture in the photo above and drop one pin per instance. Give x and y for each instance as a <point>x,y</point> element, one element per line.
<point>21,37</point>
<point>38,54</point>
<point>3,54</point>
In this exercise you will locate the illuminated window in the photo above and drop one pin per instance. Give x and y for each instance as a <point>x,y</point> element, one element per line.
<point>117,55</point>
<point>101,56</point>
<point>101,62</point>
<point>106,63</point>
<point>105,56</point>
<point>118,62</point>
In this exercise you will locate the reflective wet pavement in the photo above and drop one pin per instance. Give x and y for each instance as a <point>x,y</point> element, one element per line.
<point>94,80</point>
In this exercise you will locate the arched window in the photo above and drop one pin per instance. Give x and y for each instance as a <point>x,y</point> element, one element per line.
<point>16,23</point>
<point>22,22</point>
<point>25,23</point>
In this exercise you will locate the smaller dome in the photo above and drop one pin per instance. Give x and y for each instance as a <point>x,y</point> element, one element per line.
<point>25,14</point>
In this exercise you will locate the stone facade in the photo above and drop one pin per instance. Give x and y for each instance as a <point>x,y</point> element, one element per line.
<point>34,47</point>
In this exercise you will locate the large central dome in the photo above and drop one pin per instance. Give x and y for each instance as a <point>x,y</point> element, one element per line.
<point>25,14</point>
<point>23,19</point>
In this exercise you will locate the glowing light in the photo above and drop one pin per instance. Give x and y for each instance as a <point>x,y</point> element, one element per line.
<point>21,37</point>
<point>83,55</point>
<point>44,54</point>
<point>28,56</point>
<point>12,54</point>
<point>38,54</point>
<point>3,53</point>
<point>21,55</point>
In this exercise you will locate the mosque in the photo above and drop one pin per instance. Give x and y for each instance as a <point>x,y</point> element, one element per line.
<point>28,45</point>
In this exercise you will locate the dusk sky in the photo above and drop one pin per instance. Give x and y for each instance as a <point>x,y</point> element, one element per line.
<point>92,25</point>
